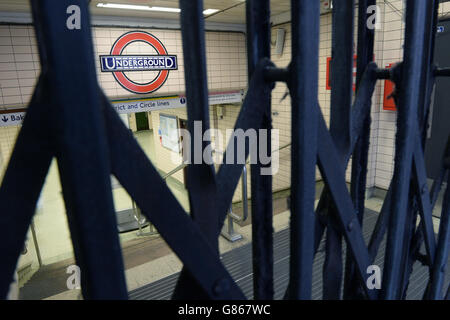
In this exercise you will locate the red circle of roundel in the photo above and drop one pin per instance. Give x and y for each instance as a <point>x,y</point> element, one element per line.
<point>120,45</point>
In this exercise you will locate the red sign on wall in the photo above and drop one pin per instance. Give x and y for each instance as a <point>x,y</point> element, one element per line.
<point>389,87</point>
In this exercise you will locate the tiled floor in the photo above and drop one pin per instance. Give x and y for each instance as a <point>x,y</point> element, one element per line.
<point>52,232</point>
<point>53,235</point>
<point>158,261</point>
<point>168,264</point>
<point>146,259</point>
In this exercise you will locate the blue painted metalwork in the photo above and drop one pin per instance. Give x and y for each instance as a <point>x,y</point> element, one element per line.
<point>409,99</point>
<point>258,48</point>
<point>303,86</point>
<point>360,155</point>
<point>201,180</point>
<point>90,146</point>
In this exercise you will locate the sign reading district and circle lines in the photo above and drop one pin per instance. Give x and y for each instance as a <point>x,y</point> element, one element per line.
<point>118,64</point>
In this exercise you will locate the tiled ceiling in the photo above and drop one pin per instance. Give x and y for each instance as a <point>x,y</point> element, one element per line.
<point>231,11</point>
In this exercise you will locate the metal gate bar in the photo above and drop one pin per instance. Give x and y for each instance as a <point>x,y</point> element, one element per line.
<point>22,182</point>
<point>365,54</point>
<point>340,124</point>
<point>201,180</point>
<point>239,262</point>
<point>303,89</point>
<point>90,145</point>
<point>258,47</point>
<point>145,185</point>
<point>81,150</point>
<point>416,13</point>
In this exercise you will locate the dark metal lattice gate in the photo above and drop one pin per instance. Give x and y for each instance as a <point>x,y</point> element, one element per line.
<point>90,145</point>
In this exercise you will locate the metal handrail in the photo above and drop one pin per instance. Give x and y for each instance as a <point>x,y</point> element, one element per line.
<point>231,236</point>
<point>137,211</point>
<point>283,147</point>
<point>116,185</point>
<point>244,194</point>
<point>167,175</point>
<point>183,165</point>
<point>280,148</point>
<point>244,184</point>
<point>244,187</point>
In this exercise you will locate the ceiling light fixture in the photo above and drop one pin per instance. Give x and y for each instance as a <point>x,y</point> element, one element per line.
<point>207,12</point>
<point>165,9</point>
<point>147,8</point>
<point>136,7</point>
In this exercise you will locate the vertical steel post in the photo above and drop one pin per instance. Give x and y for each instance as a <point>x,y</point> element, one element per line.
<point>440,262</point>
<point>201,181</point>
<point>303,86</point>
<point>425,229</point>
<point>419,176</point>
<point>244,193</point>
<point>340,124</point>
<point>428,79</point>
<point>365,50</point>
<point>23,181</point>
<point>258,47</point>
<point>342,73</point>
<point>81,146</point>
<point>36,244</point>
<point>409,100</point>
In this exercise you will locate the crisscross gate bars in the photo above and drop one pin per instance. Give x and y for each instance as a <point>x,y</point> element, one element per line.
<point>91,142</point>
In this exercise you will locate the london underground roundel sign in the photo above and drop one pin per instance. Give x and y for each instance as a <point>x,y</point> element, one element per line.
<point>118,63</point>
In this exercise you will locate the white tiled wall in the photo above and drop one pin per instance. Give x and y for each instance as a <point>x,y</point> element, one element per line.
<point>19,69</point>
<point>391,51</point>
<point>392,30</point>
<point>226,57</point>
<point>164,156</point>
<point>282,120</point>
<point>388,49</point>
<point>19,65</point>
<point>19,61</point>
